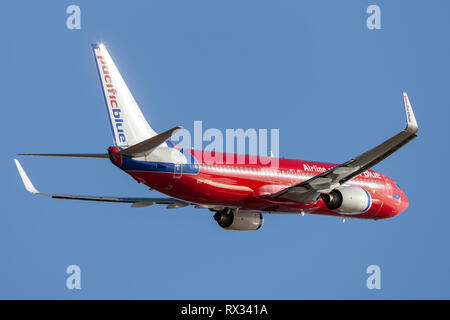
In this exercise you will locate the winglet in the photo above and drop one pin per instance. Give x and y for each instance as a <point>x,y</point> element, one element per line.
<point>410,118</point>
<point>26,181</point>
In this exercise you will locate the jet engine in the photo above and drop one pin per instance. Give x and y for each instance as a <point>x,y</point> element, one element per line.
<point>348,200</point>
<point>240,220</point>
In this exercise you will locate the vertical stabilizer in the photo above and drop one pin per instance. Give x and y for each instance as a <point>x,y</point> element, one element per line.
<point>128,124</point>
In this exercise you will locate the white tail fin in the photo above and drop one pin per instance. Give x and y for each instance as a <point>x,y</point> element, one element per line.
<point>128,124</point>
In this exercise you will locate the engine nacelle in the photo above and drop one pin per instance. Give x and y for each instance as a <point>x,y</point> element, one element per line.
<point>348,200</point>
<point>241,220</point>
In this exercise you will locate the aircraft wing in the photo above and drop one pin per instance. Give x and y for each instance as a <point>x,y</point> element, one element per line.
<point>309,190</point>
<point>136,202</point>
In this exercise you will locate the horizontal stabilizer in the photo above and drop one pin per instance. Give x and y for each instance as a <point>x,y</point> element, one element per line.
<point>149,144</point>
<point>75,155</point>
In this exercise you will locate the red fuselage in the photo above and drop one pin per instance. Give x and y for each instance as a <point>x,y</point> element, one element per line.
<point>249,186</point>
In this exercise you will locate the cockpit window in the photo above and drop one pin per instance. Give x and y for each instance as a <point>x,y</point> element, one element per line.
<point>397,185</point>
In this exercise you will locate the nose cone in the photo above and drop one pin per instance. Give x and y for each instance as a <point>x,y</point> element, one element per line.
<point>404,202</point>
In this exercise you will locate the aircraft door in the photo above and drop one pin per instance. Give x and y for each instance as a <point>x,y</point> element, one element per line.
<point>177,170</point>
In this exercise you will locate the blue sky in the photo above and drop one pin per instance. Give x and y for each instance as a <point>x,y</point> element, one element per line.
<point>310,68</point>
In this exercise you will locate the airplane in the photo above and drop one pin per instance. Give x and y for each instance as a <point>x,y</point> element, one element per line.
<point>238,194</point>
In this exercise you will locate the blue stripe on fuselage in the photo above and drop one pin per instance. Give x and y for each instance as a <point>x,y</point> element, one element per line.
<point>155,166</point>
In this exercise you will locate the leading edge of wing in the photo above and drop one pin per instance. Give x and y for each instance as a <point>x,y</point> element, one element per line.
<point>137,202</point>
<point>324,182</point>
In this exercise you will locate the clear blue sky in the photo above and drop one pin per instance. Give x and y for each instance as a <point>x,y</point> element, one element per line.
<point>310,68</point>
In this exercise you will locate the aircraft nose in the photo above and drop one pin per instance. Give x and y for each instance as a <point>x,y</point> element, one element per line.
<point>404,202</point>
